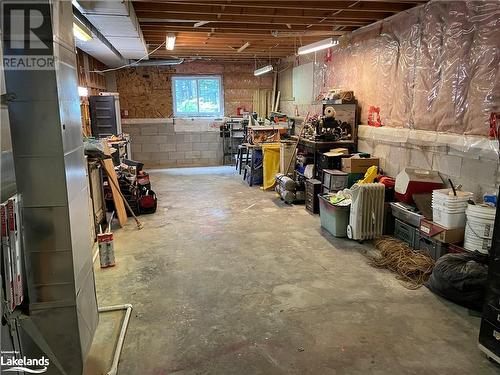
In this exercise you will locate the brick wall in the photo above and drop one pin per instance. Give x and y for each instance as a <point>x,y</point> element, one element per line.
<point>160,143</point>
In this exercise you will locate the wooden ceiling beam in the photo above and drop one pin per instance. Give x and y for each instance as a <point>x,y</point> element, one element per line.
<point>259,9</point>
<point>255,18</point>
<point>329,5</point>
<point>269,26</point>
<point>241,32</point>
<point>149,24</point>
<point>351,18</point>
<point>232,42</point>
<point>199,12</point>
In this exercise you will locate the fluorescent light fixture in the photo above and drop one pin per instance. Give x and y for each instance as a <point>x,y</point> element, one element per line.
<point>83,91</point>
<point>170,42</point>
<point>263,70</point>
<point>81,31</point>
<point>201,23</point>
<point>244,47</point>
<point>317,46</point>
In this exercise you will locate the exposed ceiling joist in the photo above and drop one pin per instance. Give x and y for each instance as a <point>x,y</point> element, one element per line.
<point>244,29</point>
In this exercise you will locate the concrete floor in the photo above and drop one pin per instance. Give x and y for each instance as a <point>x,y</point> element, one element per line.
<point>225,279</point>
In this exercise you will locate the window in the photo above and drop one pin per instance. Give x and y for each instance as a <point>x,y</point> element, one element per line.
<point>197,96</point>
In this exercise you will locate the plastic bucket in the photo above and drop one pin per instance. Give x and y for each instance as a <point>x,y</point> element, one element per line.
<point>451,205</point>
<point>477,244</point>
<point>333,218</point>
<point>449,209</point>
<point>479,227</point>
<point>447,218</point>
<point>445,197</point>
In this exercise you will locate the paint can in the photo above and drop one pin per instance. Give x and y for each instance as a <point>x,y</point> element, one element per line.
<point>106,249</point>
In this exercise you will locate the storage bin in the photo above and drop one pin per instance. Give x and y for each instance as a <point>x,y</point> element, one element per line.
<point>313,189</point>
<point>432,247</point>
<point>334,219</point>
<point>334,180</point>
<point>401,211</point>
<point>407,233</point>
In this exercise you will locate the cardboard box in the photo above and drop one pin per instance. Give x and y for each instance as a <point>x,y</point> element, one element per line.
<point>358,165</point>
<point>441,234</point>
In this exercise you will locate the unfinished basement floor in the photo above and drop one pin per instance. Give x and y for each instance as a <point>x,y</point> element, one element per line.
<point>226,279</point>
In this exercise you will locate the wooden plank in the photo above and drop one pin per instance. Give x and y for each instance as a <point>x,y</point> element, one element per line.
<point>117,199</point>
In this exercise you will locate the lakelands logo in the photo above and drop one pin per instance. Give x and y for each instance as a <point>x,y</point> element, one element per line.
<point>10,363</point>
<point>27,36</point>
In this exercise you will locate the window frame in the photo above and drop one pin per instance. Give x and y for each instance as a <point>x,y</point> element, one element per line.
<point>198,113</point>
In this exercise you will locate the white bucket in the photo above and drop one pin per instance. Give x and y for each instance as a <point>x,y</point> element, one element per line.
<point>479,227</point>
<point>481,245</point>
<point>448,218</point>
<point>446,197</point>
<point>448,209</point>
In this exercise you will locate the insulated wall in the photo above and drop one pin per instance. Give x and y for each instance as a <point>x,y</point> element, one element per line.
<point>433,67</point>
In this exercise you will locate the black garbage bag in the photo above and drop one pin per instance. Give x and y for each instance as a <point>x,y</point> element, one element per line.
<point>461,278</point>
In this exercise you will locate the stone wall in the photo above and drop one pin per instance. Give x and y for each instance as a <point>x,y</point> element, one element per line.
<point>161,143</point>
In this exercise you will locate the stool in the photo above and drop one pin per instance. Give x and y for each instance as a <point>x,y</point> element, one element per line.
<point>254,165</point>
<point>243,150</point>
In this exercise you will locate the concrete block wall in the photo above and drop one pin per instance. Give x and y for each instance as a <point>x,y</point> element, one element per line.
<point>156,143</point>
<point>467,160</point>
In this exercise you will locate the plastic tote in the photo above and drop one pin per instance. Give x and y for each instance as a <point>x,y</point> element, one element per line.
<point>334,219</point>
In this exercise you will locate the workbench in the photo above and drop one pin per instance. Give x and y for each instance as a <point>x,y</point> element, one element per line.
<point>315,148</point>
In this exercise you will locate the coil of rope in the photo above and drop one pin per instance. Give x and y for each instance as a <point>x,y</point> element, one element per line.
<point>413,267</point>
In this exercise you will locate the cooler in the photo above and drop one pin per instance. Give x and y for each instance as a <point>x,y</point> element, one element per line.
<point>415,181</point>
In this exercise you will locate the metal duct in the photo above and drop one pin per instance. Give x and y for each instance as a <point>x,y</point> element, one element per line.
<point>98,47</point>
<point>159,62</point>
<point>51,177</point>
<point>8,176</point>
<point>117,21</point>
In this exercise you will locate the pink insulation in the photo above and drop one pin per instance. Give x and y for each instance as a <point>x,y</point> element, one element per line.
<point>434,67</point>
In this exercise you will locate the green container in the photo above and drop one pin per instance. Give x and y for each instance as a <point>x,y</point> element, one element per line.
<point>334,219</point>
<point>352,178</point>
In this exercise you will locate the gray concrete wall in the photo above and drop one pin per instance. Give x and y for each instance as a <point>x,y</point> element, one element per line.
<point>468,160</point>
<point>159,144</point>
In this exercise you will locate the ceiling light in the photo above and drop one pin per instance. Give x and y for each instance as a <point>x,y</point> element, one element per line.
<point>263,70</point>
<point>201,23</point>
<point>83,91</point>
<point>317,46</point>
<point>244,47</point>
<point>81,31</point>
<point>170,44</point>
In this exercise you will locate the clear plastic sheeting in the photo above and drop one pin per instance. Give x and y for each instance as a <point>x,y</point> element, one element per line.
<point>434,67</point>
<point>479,146</point>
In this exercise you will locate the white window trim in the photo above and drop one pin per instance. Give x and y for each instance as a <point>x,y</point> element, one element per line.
<point>198,114</point>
